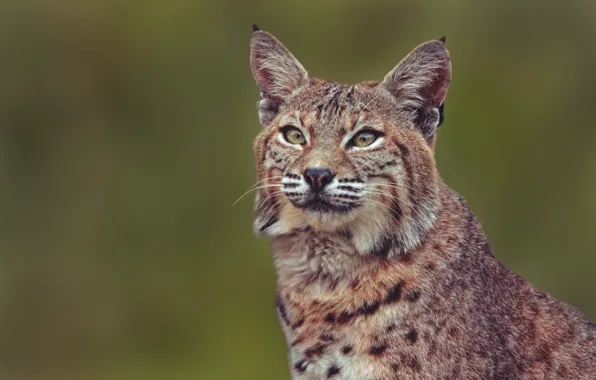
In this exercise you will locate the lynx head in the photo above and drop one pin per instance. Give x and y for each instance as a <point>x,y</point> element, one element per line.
<point>351,159</point>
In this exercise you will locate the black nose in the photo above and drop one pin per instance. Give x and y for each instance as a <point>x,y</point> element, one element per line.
<point>318,178</point>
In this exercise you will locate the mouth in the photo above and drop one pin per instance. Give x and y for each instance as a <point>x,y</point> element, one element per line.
<point>321,205</point>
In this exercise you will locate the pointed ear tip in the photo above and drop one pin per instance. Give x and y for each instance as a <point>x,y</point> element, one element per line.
<point>255,28</point>
<point>443,39</point>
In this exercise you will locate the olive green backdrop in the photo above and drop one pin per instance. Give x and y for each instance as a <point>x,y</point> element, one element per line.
<point>126,133</point>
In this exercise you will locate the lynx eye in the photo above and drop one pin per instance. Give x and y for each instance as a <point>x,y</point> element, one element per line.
<point>293,135</point>
<point>364,138</point>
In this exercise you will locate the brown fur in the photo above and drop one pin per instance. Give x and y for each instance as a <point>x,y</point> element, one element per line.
<point>397,281</point>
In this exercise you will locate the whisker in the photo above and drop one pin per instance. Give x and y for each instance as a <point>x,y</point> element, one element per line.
<point>404,186</point>
<point>370,218</point>
<point>381,192</point>
<point>350,189</point>
<point>400,201</point>
<point>381,204</point>
<point>251,190</point>
<point>268,178</point>
<point>277,203</point>
<point>376,191</point>
<point>263,180</point>
<point>380,223</point>
<point>275,193</point>
<point>394,197</point>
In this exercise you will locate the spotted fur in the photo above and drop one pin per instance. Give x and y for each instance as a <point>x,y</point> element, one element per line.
<point>387,274</point>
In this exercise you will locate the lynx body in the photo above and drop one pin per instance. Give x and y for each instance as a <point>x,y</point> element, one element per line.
<point>383,271</point>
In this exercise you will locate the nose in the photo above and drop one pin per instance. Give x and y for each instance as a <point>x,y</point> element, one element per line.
<point>318,178</point>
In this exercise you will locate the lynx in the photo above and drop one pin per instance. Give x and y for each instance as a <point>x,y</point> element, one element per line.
<point>383,271</point>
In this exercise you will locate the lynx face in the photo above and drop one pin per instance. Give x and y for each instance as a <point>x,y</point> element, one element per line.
<point>351,159</point>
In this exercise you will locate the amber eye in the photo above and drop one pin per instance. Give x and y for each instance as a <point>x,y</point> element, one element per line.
<point>293,135</point>
<point>364,138</point>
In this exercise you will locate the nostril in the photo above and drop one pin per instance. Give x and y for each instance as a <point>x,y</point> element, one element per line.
<point>308,178</point>
<point>318,178</point>
<point>325,179</point>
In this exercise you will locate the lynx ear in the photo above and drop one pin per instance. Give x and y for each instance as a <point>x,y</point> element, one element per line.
<point>420,82</point>
<point>277,72</point>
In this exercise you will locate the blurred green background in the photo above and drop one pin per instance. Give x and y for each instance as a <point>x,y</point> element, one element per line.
<point>126,136</point>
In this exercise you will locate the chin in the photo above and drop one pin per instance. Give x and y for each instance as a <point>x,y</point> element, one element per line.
<point>325,208</point>
<point>325,216</point>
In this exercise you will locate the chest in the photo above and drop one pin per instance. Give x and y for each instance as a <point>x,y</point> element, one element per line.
<point>338,346</point>
<point>392,321</point>
<point>385,341</point>
<point>401,336</point>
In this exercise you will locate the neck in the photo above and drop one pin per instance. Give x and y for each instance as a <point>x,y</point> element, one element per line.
<point>319,261</point>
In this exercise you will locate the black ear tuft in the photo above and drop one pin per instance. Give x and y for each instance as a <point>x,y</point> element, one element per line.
<point>255,28</point>
<point>443,39</point>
